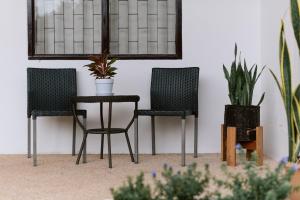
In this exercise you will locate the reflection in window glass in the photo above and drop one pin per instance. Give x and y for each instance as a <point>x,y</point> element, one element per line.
<point>68,26</point>
<point>142,26</point>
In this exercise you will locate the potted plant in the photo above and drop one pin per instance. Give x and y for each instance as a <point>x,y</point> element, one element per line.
<point>241,113</point>
<point>290,96</point>
<point>101,68</point>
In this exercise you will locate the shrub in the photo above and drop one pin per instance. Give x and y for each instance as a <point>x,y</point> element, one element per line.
<point>182,186</point>
<point>136,190</point>
<point>253,183</point>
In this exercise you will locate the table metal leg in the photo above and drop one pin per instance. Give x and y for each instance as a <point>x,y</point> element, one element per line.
<point>84,149</point>
<point>29,137</point>
<point>196,138</point>
<point>102,146</point>
<point>136,140</point>
<point>129,147</point>
<point>34,143</point>
<point>109,150</point>
<point>183,142</point>
<point>74,137</point>
<point>153,134</point>
<point>83,144</point>
<point>102,126</point>
<point>108,134</point>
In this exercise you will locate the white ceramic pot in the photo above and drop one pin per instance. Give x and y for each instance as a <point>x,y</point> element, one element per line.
<point>104,87</point>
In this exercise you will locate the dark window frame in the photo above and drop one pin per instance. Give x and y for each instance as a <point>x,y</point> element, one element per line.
<point>105,38</point>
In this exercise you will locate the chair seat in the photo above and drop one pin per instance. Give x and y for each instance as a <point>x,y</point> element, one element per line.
<point>182,113</point>
<point>40,113</point>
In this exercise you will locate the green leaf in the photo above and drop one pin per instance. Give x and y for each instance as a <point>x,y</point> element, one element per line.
<point>260,73</point>
<point>296,113</point>
<point>226,73</point>
<point>235,51</point>
<point>285,69</point>
<point>277,82</point>
<point>248,85</point>
<point>297,93</point>
<point>112,61</point>
<point>295,20</point>
<point>232,84</point>
<point>296,120</point>
<point>261,99</point>
<point>245,97</point>
<point>281,40</point>
<point>113,68</point>
<point>286,79</point>
<point>238,94</point>
<point>255,73</point>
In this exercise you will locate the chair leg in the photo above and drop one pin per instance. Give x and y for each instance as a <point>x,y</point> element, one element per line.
<point>259,145</point>
<point>196,138</point>
<point>183,124</point>
<point>153,134</point>
<point>74,137</point>
<point>129,147</point>
<point>84,150</point>
<point>109,151</point>
<point>136,140</point>
<point>231,143</point>
<point>102,146</point>
<point>34,143</point>
<point>83,144</point>
<point>29,137</point>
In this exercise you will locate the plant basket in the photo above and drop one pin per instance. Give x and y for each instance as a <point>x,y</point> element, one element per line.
<point>245,119</point>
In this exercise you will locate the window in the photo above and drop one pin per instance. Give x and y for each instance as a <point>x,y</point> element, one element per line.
<point>129,29</point>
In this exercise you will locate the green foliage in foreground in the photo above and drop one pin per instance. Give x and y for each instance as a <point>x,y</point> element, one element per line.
<point>136,190</point>
<point>253,183</point>
<point>182,186</point>
<point>272,185</point>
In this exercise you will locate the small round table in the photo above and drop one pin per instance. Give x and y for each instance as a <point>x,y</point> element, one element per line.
<point>102,130</point>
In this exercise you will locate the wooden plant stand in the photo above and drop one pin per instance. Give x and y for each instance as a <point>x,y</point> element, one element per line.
<point>228,146</point>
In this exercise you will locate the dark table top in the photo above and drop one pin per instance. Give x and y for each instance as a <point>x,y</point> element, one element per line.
<point>114,98</point>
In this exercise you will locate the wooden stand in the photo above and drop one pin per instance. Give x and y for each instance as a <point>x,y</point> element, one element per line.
<point>228,149</point>
<point>295,183</point>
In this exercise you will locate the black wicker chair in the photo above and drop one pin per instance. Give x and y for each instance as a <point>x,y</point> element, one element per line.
<point>174,92</point>
<point>49,93</point>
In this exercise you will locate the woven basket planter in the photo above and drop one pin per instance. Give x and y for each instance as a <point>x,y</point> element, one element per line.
<point>245,119</point>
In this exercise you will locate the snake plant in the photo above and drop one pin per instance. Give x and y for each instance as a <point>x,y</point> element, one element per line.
<point>290,96</point>
<point>241,82</point>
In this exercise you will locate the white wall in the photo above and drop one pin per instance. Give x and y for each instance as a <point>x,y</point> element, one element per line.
<point>210,29</point>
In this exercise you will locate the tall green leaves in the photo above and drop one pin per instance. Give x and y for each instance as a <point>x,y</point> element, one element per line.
<point>291,99</point>
<point>241,82</point>
<point>296,20</point>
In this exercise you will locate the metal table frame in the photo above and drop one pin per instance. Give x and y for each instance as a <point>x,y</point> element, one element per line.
<point>109,130</point>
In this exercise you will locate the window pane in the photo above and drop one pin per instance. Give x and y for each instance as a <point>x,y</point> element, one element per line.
<point>142,26</point>
<point>68,26</point>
